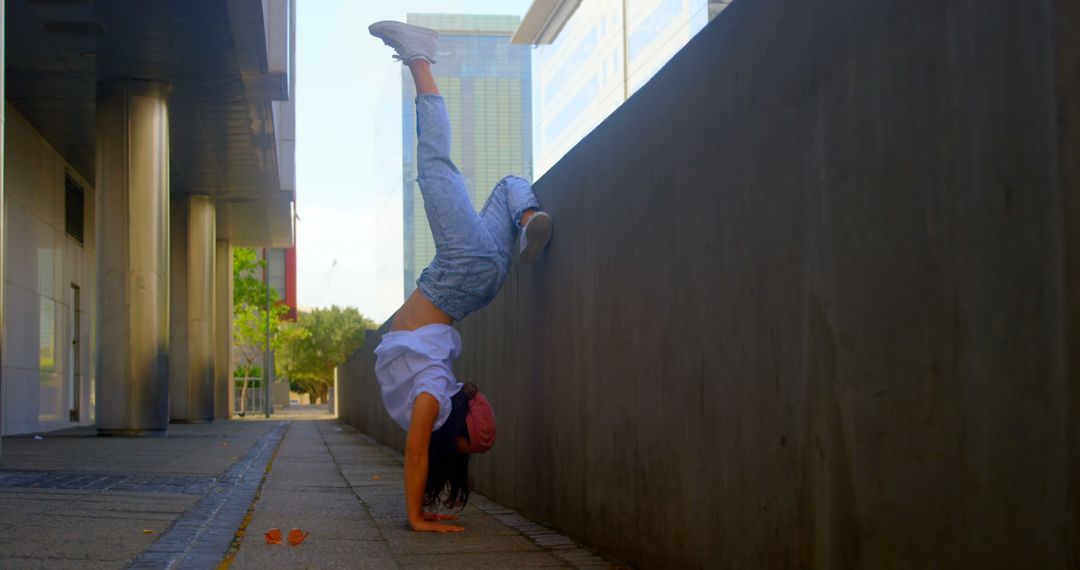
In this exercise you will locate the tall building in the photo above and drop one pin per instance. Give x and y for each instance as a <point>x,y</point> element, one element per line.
<point>487,85</point>
<point>281,273</point>
<point>717,6</point>
<point>592,55</point>
<point>144,141</point>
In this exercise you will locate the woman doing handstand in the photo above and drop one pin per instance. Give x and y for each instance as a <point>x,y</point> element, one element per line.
<point>447,420</point>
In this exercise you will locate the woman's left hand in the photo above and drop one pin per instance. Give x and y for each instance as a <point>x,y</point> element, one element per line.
<point>438,517</point>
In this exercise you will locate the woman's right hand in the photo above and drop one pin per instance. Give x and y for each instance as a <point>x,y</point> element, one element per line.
<point>429,516</point>
<point>432,526</point>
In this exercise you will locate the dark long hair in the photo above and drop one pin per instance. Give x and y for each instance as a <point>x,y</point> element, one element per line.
<point>448,481</point>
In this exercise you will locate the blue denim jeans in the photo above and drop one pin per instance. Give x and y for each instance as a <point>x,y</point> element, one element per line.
<point>472,251</point>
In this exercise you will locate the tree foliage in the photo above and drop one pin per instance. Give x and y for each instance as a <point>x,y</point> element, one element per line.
<point>318,342</point>
<point>249,310</point>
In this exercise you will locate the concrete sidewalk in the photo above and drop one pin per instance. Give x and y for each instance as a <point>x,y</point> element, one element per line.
<point>203,497</point>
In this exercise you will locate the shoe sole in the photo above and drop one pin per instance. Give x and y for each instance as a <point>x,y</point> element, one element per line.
<point>391,26</point>
<point>537,235</point>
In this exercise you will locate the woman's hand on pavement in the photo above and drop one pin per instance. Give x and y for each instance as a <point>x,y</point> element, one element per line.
<point>432,526</point>
<point>438,517</point>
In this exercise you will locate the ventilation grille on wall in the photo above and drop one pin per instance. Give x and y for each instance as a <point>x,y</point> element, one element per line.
<point>73,209</point>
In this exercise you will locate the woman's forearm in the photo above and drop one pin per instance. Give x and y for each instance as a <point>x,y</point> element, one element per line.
<point>416,469</point>
<point>425,410</point>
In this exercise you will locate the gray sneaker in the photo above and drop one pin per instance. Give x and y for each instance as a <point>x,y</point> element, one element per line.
<point>534,237</point>
<point>409,41</point>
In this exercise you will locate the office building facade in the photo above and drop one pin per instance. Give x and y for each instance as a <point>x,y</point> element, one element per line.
<point>144,141</point>
<point>591,55</point>
<point>487,85</point>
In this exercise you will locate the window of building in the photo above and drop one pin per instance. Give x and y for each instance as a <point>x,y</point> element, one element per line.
<point>74,211</point>
<point>276,269</point>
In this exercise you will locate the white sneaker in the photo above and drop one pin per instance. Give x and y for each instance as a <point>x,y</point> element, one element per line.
<point>409,41</point>
<point>534,237</point>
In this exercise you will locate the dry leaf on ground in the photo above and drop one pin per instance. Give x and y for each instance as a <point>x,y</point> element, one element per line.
<point>273,536</point>
<point>296,536</point>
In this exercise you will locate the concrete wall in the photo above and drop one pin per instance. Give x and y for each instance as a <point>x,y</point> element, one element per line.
<point>42,263</point>
<point>811,302</point>
<point>1068,21</point>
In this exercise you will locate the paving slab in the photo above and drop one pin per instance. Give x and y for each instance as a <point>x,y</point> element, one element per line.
<point>405,542</point>
<point>68,529</point>
<point>342,533</point>
<point>356,515</point>
<point>481,560</point>
<point>36,563</point>
<point>203,496</point>
<point>74,500</point>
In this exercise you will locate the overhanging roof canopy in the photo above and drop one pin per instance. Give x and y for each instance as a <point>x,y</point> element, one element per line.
<point>228,64</point>
<point>543,22</point>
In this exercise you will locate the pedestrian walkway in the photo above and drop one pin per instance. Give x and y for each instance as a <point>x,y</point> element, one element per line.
<point>204,496</point>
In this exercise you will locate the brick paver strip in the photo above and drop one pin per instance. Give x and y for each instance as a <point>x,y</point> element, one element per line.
<point>560,545</point>
<point>201,537</point>
<point>102,482</point>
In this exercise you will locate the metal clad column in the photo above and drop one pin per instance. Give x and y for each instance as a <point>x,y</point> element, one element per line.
<point>179,360</point>
<point>201,268</point>
<point>191,346</point>
<point>132,190</point>
<point>225,399</point>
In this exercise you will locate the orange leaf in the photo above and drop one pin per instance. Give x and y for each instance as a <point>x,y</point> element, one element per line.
<point>296,536</point>
<point>375,477</point>
<point>273,536</point>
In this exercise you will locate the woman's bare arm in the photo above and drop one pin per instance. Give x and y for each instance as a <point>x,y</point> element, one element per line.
<point>425,411</point>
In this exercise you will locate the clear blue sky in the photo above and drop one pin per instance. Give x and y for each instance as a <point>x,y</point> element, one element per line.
<point>349,150</point>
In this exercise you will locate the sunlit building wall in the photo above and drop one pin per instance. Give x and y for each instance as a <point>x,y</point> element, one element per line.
<point>716,6</point>
<point>487,86</point>
<point>591,55</point>
<point>49,288</point>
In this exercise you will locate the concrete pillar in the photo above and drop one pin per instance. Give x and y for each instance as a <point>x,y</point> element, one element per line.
<point>225,399</point>
<point>191,352</point>
<point>132,190</point>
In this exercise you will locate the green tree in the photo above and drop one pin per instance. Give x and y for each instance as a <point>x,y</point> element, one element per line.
<point>318,342</point>
<point>249,313</point>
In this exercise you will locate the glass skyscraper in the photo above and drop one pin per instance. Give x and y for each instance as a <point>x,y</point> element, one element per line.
<point>488,89</point>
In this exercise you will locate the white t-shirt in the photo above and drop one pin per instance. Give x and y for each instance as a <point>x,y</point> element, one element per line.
<point>410,362</point>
